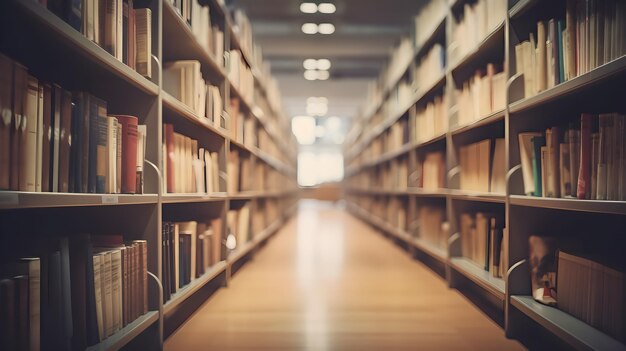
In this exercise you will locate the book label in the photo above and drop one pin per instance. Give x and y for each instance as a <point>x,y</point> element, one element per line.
<point>110,199</point>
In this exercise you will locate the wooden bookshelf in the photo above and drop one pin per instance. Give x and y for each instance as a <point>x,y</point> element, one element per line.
<point>589,92</point>
<point>78,64</point>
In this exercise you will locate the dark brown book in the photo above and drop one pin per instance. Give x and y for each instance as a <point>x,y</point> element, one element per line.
<point>20,81</point>
<point>65,141</point>
<point>216,241</point>
<point>143,276</point>
<point>6,110</point>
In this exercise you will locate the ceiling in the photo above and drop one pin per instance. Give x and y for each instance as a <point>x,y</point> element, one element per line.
<point>366,31</point>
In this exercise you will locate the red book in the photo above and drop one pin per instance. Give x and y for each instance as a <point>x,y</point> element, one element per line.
<point>584,172</point>
<point>171,154</point>
<point>129,152</point>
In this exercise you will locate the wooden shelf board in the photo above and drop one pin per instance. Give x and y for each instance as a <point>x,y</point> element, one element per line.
<point>494,117</point>
<point>177,108</point>
<point>570,204</point>
<point>573,331</point>
<point>481,277</point>
<point>477,196</point>
<point>127,334</point>
<point>22,199</point>
<point>487,42</point>
<point>183,294</point>
<point>433,251</point>
<point>175,198</point>
<point>577,84</point>
<point>80,49</point>
<point>181,44</point>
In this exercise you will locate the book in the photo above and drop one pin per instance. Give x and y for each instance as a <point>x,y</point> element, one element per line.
<point>526,146</point>
<point>141,156</point>
<point>18,125</point>
<point>129,153</point>
<point>584,186</point>
<point>538,169</point>
<point>498,171</point>
<point>143,41</point>
<point>28,136</point>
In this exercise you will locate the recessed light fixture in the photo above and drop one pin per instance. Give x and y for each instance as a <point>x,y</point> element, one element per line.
<point>322,75</point>
<point>309,28</point>
<point>308,7</point>
<point>310,74</point>
<point>323,64</point>
<point>310,64</point>
<point>326,28</point>
<point>325,7</point>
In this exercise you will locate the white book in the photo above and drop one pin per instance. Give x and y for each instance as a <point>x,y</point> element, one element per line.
<point>29,127</point>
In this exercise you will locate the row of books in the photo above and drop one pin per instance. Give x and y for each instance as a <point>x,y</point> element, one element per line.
<point>209,35</point>
<point>589,35</point>
<point>431,120</point>
<point>477,21</point>
<point>75,292</point>
<point>393,175</point>
<point>55,140</point>
<point>183,80</point>
<point>188,249</point>
<point>188,168</point>
<point>241,127</point>
<point>240,75</point>
<point>588,286</point>
<point>115,25</point>
<point>483,94</point>
<point>395,213</point>
<point>427,19</point>
<point>484,241</point>
<point>585,160</point>
<point>430,68</point>
<point>432,171</point>
<point>399,59</point>
<point>433,227</point>
<point>601,306</point>
<point>238,221</point>
<point>482,166</point>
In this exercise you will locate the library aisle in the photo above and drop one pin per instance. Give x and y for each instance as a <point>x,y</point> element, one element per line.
<point>327,281</point>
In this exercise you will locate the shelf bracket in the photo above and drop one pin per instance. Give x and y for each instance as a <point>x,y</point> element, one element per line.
<point>160,289</point>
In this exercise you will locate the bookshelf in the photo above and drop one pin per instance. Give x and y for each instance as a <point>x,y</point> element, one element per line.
<point>369,196</point>
<point>53,51</point>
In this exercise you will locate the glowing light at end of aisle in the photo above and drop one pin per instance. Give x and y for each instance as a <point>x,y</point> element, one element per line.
<point>308,7</point>
<point>326,7</point>
<point>309,28</point>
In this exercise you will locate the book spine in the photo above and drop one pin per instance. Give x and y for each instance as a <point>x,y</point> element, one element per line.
<point>65,141</point>
<point>20,86</point>
<point>584,186</point>
<point>28,148</point>
<point>129,153</point>
<point>101,149</point>
<point>55,147</point>
<point>143,41</point>
<point>6,111</point>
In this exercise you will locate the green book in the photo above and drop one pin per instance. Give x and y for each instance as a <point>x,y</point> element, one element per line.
<point>538,142</point>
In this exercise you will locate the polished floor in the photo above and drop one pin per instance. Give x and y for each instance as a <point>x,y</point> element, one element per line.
<point>327,281</point>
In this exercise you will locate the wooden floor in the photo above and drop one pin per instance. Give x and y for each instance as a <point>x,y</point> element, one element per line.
<point>327,281</point>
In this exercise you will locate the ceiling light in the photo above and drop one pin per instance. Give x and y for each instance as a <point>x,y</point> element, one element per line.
<point>309,28</point>
<point>310,64</point>
<point>310,74</point>
<point>303,127</point>
<point>320,131</point>
<point>326,28</point>
<point>323,64</point>
<point>309,7</point>
<point>325,7</point>
<point>323,75</point>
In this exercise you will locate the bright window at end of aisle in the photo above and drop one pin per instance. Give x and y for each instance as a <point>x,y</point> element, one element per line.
<point>319,167</point>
